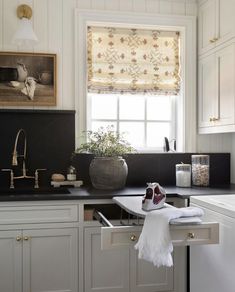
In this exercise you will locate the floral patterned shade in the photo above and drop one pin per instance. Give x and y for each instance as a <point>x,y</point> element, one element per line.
<point>125,60</point>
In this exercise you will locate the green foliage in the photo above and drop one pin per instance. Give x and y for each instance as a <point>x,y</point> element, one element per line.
<point>105,143</point>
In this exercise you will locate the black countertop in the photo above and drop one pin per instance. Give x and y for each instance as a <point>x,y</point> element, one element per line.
<point>91,193</point>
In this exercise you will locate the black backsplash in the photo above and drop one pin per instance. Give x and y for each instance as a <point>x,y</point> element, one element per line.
<point>51,140</point>
<point>160,167</point>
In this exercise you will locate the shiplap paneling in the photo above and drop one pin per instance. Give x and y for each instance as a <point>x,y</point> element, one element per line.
<point>55,43</point>
<point>112,5</point>
<point>233,159</point>
<point>126,5</point>
<point>41,27</point>
<point>1,22</point>
<point>165,7</point>
<point>9,24</point>
<point>139,6</point>
<point>53,22</point>
<point>152,6</point>
<point>84,4</point>
<point>98,4</point>
<point>178,8</point>
<point>68,51</point>
<point>214,143</point>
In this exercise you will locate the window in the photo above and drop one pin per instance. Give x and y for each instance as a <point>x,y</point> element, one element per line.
<point>183,106</point>
<point>144,119</point>
<point>133,75</point>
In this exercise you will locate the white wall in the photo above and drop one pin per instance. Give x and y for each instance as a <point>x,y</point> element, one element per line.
<point>53,22</point>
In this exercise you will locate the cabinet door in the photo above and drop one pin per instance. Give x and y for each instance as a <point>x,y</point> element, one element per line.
<point>105,271</point>
<point>207,91</point>
<point>226,20</point>
<point>50,259</point>
<point>212,267</point>
<point>10,261</point>
<point>144,277</point>
<point>226,85</point>
<point>207,25</point>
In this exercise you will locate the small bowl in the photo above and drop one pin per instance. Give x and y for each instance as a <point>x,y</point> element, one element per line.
<point>15,83</point>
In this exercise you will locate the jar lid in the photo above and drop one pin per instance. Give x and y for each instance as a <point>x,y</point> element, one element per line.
<point>183,164</point>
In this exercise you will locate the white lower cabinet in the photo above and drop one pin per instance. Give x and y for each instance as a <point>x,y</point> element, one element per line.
<point>38,260</point>
<point>104,271</point>
<point>10,261</point>
<point>120,270</point>
<point>144,277</point>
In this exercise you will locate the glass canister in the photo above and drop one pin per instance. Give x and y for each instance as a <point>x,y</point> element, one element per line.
<point>200,170</point>
<point>183,175</point>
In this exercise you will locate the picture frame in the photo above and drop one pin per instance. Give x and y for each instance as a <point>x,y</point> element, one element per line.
<point>28,79</point>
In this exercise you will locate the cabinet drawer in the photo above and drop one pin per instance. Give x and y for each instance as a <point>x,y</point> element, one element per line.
<point>181,235</point>
<point>38,214</point>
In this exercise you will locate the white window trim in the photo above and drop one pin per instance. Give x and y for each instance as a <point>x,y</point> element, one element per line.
<point>185,24</point>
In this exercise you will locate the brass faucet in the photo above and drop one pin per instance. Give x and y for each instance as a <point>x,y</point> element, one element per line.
<point>15,157</point>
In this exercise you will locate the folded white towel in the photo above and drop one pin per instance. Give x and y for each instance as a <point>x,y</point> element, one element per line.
<point>155,244</point>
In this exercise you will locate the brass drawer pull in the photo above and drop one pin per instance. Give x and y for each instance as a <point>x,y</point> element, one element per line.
<point>26,238</point>
<point>18,238</point>
<point>133,237</point>
<point>191,235</point>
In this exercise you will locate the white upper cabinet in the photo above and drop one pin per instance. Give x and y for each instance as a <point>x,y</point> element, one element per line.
<point>208,96</point>
<point>216,92</point>
<point>207,25</point>
<point>216,23</point>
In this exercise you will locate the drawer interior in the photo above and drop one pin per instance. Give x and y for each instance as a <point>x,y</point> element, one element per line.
<point>110,211</point>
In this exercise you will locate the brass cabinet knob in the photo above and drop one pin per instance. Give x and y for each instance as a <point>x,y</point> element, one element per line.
<point>133,237</point>
<point>18,238</point>
<point>26,238</point>
<point>214,119</point>
<point>213,40</point>
<point>191,235</point>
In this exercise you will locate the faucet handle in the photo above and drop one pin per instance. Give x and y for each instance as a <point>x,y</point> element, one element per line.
<point>36,185</point>
<point>40,169</point>
<point>12,176</point>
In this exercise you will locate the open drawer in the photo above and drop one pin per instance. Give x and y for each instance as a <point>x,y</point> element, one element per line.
<point>117,237</point>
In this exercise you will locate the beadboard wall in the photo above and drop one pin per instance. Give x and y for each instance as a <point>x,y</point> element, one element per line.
<point>53,22</point>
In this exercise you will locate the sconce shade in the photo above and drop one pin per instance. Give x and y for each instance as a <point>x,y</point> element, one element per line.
<point>24,34</point>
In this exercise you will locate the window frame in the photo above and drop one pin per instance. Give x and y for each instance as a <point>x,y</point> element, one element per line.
<point>186,107</point>
<point>145,121</point>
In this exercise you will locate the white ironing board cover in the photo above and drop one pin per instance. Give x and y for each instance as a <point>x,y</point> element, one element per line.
<point>133,205</point>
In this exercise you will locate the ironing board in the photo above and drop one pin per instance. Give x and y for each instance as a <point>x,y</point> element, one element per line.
<point>133,205</point>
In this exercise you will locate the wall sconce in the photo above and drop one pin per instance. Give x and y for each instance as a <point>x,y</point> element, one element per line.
<point>24,34</point>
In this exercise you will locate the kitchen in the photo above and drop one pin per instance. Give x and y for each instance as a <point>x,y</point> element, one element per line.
<point>55,25</point>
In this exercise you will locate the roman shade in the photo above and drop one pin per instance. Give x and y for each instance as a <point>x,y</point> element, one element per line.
<point>136,61</point>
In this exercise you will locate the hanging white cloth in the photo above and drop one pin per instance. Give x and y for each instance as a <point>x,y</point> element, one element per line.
<point>154,244</point>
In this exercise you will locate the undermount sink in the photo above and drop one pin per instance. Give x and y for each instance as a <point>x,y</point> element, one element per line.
<point>34,192</point>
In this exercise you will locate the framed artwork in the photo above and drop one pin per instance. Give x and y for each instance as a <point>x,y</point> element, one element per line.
<point>27,79</point>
